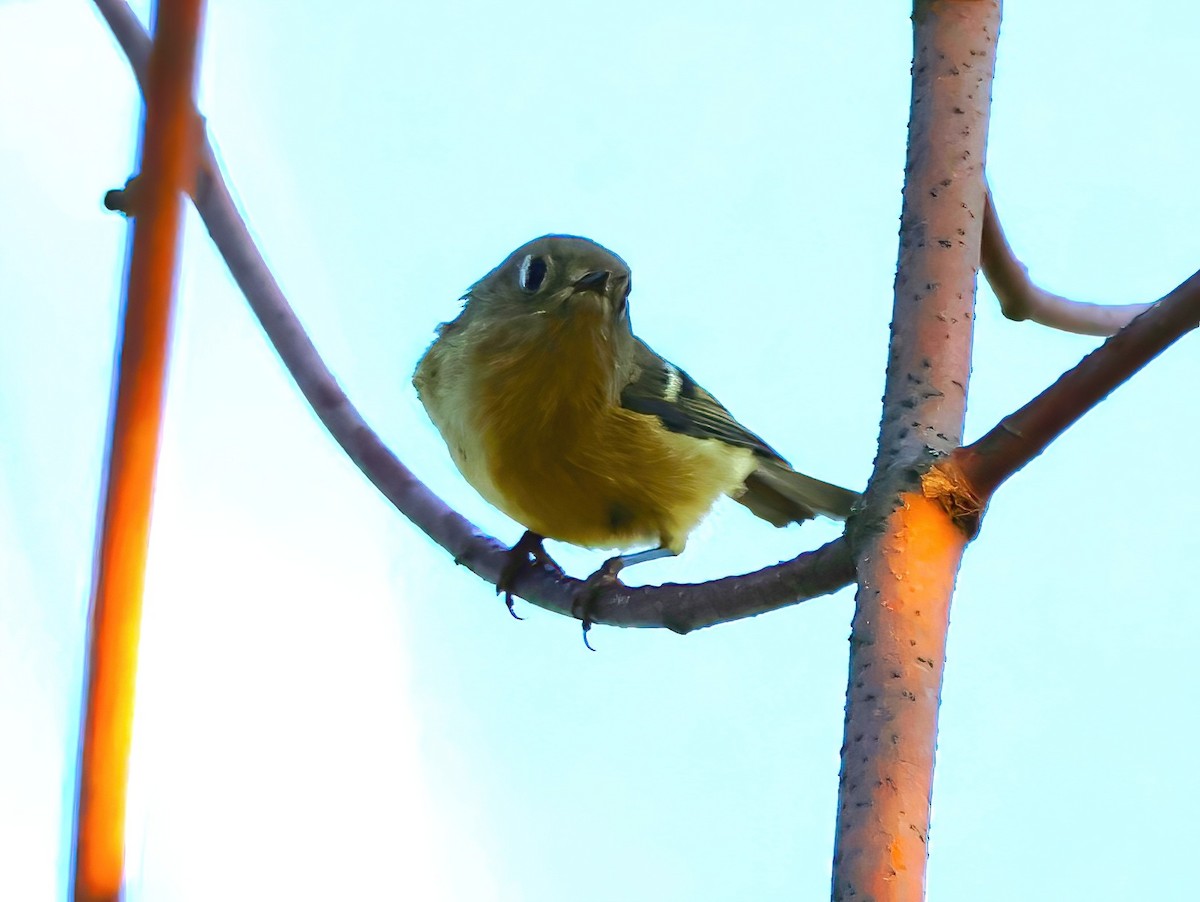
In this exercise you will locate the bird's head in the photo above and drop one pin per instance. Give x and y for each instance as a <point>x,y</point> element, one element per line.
<point>555,279</point>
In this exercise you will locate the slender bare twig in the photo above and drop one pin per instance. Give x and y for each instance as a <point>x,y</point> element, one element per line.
<point>677,607</point>
<point>1020,299</point>
<point>168,164</point>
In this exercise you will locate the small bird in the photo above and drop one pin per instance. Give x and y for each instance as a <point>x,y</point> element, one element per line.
<point>561,417</point>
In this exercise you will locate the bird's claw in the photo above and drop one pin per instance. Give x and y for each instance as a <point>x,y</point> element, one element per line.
<point>605,577</point>
<point>526,552</point>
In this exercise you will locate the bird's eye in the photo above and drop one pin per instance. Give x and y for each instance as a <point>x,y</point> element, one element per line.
<point>532,273</point>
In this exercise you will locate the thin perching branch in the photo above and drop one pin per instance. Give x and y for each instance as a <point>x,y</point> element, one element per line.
<point>1021,299</point>
<point>681,608</point>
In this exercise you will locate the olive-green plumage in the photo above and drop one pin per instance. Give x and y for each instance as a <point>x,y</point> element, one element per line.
<point>562,418</point>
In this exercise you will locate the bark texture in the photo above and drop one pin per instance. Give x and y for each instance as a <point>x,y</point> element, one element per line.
<point>907,546</point>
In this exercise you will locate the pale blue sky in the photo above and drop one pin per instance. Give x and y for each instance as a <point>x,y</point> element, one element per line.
<point>330,709</point>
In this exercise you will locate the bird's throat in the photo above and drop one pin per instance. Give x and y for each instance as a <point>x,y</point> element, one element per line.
<point>556,374</point>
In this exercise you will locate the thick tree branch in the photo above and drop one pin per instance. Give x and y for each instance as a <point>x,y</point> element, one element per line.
<point>1021,299</point>
<point>678,607</point>
<point>907,547</point>
<point>982,466</point>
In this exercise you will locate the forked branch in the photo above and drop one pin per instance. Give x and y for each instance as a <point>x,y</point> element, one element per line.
<point>1021,436</point>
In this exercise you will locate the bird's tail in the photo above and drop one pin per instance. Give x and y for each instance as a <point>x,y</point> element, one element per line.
<point>780,495</point>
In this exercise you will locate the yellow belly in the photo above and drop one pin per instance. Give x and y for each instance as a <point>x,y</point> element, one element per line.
<point>538,430</point>
<point>567,461</point>
<point>619,480</point>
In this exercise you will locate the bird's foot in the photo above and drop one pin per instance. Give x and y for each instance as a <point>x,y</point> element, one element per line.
<point>604,578</point>
<point>527,552</point>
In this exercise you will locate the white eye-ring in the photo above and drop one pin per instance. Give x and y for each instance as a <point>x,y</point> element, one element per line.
<point>532,273</point>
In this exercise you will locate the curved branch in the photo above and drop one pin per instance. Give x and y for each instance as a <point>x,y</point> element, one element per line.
<point>678,607</point>
<point>1020,299</point>
<point>1021,436</point>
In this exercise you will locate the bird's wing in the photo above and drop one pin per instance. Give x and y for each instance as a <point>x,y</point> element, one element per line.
<point>661,389</point>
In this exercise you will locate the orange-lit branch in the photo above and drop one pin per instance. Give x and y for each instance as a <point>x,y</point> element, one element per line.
<point>1021,299</point>
<point>167,164</point>
<point>907,546</point>
<point>897,652</point>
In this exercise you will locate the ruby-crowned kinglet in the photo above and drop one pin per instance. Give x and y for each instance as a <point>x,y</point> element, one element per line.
<point>567,422</point>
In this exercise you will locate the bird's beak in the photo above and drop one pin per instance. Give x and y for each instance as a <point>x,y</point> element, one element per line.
<point>593,281</point>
